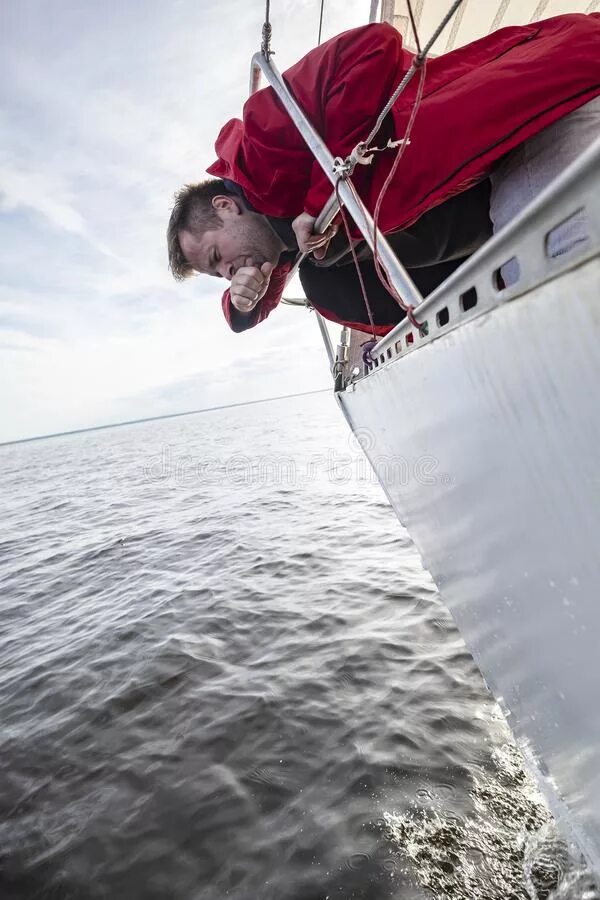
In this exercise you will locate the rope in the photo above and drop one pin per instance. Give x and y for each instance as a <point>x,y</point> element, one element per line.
<point>345,167</point>
<point>380,271</point>
<point>378,267</point>
<point>366,346</point>
<point>355,258</point>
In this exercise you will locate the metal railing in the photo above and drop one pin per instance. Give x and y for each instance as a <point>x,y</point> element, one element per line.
<point>364,221</point>
<point>404,337</point>
<point>475,287</point>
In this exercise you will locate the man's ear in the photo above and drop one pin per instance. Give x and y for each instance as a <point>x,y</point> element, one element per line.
<point>225,204</point>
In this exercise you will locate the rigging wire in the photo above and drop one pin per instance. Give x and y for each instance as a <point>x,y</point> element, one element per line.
<point>266,32</point>
<point>413,25</point>
<point>346,167</point>
<point>320,23</point>
<point>417,63</point>
<point>455,29</point>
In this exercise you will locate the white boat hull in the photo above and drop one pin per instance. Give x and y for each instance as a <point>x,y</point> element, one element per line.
<point>486,440</point>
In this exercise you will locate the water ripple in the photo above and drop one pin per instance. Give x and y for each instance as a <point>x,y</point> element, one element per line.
<point>223,686</point>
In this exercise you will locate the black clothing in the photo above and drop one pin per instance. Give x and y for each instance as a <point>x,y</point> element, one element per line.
<point>430,249</point>
<point>338,289</point>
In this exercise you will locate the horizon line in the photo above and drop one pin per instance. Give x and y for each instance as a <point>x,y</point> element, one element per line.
<point>177,415</point>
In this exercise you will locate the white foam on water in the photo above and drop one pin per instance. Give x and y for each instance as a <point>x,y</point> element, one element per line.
<point>508,848</point>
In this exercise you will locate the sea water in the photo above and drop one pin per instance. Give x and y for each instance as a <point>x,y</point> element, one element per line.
<point>224,673</point>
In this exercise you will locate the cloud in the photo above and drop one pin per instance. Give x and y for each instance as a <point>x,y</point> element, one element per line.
<point>36,191</point>
<point>104,111</point>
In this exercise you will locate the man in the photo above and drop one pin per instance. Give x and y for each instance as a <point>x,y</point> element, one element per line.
<point>481,105</point>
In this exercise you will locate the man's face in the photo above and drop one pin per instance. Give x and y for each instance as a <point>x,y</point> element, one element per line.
<point>245,239</point>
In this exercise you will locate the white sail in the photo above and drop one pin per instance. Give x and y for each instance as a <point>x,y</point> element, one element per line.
<point>474,18</point>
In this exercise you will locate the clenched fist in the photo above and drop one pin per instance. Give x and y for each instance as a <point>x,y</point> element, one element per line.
<point>249,285</point>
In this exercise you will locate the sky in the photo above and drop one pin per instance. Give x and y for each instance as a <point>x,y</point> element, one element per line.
<point>105,110</point>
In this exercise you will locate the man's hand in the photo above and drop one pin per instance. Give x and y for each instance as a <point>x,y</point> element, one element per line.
<point>249,285</point>
<point>308,240</point>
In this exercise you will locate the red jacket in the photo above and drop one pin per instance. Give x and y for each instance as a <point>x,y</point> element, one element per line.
<point>479,102</point>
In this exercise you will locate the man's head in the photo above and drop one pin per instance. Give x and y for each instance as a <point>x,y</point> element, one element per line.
<point>212,231</point>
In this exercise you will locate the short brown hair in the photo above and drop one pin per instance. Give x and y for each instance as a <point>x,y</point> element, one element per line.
<point>192,211</point>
